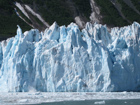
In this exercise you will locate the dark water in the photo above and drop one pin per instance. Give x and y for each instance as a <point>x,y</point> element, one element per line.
<point>97,102</point>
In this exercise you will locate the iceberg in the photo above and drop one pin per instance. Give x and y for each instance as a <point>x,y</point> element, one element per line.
<point>67,59</point>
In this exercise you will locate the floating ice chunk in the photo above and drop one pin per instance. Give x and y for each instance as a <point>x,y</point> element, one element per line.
<point>23,101</point>
<point>99,102</point>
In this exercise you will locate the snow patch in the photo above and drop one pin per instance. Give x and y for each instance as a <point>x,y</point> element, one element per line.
<point>37,15</point>
<point>95,15</point>
<point>22,9</point>
<point>80,23</point>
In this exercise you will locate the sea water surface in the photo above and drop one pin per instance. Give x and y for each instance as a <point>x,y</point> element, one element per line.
<point>96,102</point>
<point>64,98</point>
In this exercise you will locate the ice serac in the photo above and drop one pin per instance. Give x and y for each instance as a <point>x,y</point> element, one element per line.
<point>65,59</point>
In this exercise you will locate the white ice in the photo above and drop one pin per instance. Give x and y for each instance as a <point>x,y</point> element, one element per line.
<point>65,59</point>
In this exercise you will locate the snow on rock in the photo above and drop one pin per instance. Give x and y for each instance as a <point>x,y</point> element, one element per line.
<point>65,59</point>
<point>22,9</point>
<point>79,22</point>
<point>95,14</point>
<point>37,15</point>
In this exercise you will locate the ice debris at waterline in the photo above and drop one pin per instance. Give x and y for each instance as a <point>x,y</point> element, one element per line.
<point>67,59</point>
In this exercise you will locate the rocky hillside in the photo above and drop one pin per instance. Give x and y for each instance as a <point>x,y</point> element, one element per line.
<point>41,14</point>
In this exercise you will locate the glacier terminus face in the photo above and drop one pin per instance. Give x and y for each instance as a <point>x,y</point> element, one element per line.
<point>66,59</point>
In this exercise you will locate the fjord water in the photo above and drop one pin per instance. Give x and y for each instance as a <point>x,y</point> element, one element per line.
<point>58,98</point>
<point>97,102</point>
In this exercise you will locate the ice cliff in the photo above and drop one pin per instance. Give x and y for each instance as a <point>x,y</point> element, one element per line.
<point>65,59</point>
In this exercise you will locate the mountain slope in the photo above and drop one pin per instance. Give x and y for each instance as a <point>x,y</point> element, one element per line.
<point>9,20</point>
<point>40,14</point>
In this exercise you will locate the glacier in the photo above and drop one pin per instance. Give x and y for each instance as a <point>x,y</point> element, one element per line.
<point>67,59</point>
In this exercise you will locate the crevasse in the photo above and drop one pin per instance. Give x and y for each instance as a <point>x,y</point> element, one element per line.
<point>65,59</point>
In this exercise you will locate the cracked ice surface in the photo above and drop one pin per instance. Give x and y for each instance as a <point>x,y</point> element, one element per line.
<point>65,59</point>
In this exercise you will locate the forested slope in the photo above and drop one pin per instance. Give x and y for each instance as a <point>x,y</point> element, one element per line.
<point>112,12</point>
